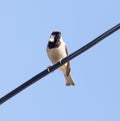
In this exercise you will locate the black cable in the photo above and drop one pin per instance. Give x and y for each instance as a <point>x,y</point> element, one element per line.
<point>57,65</point>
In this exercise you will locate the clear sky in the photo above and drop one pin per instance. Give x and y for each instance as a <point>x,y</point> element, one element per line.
<point>25,28</point>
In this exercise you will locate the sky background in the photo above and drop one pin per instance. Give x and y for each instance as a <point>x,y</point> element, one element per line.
<point>25,28</point>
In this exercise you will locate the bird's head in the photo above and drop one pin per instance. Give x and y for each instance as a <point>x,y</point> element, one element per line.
<point>55,39</point>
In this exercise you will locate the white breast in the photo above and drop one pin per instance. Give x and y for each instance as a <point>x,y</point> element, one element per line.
<point>56,54</point>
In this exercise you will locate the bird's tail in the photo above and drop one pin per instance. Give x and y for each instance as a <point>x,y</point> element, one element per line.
<point>69,80</point>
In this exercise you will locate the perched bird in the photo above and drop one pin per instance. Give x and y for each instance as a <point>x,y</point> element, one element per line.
<point>57,50</point>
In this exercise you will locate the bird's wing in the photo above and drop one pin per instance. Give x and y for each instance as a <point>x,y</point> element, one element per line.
<point>68,63</point>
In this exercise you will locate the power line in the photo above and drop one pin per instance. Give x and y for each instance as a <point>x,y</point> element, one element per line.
<point>57,65</point>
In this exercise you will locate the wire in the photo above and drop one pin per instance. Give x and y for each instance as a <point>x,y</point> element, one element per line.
<point>57,65</point>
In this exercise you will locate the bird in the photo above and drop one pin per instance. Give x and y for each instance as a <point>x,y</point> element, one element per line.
<point>56,51</point>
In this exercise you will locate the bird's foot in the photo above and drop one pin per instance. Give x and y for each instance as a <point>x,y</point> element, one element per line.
<point>60,60</point>
<point>49,69</point>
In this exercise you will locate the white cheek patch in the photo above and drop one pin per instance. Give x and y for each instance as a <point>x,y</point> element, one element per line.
<point>51,38</point>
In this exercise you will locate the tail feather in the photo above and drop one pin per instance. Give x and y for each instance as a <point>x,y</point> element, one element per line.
<point>69,80</point>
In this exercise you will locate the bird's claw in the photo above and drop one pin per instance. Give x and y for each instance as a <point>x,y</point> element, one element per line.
<point>49,69</point>
<point>60,60</point>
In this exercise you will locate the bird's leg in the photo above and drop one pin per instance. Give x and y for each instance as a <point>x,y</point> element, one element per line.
<point>60,60</point>
<point>49,68</point>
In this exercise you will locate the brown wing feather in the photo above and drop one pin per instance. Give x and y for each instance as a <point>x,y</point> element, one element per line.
<point>68,63</point>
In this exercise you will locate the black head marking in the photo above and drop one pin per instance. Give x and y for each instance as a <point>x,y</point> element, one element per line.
<point>56,33</point>
<point>56,43</point>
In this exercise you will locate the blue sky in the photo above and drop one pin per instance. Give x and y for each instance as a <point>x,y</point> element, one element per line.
<point>25,27</point>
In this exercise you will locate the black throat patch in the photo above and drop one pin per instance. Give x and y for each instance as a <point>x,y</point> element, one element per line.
<point>56,43</point>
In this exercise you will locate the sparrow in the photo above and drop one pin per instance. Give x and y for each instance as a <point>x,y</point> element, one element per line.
<point>56,51</point>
